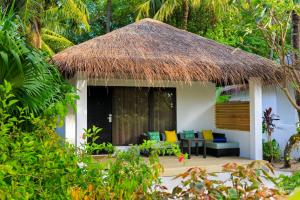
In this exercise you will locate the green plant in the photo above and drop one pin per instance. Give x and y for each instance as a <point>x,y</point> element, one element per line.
<point>47,23</point>
<point>36,84</point>
<point>129,176</point>
<point>289,183</point>
<point>268,128</point>
<point>35,163</point>
<point>221,98</point>
<point>271,154</point>
<point>162,148</point>
<point>92,135</point>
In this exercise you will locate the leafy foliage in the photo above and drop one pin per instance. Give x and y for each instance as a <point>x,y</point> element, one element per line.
<point>274,153</point>
<point>289,183</point>
<point>91,136</point>
<point>55,17</point>
<point>37,84</point>
<point>36,164</point>
<point>221,98</point>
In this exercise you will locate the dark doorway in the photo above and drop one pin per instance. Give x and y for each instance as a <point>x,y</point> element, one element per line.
<point>99,112</point>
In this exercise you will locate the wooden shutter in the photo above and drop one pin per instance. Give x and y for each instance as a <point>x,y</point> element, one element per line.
<point>233,116</point>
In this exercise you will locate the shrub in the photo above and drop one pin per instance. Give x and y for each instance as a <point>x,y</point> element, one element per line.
<point>267,153</point>
<point>289,183</point>
<point>35,163</point>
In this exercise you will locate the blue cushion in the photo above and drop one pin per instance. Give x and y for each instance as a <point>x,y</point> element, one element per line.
<point>220,140</point>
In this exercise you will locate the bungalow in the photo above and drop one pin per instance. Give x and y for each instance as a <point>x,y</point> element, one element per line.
<point>152,76</point>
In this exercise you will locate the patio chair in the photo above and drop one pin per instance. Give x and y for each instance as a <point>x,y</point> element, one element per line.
<point>191,134</point>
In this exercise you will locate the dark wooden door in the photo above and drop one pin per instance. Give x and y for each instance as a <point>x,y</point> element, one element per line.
<point>99,111</point>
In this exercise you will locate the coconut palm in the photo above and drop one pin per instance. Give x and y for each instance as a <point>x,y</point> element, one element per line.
<point>163,9</point>
<point>48,22</point>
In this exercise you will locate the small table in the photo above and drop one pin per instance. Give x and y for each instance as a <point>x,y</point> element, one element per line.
<point>189,142</point>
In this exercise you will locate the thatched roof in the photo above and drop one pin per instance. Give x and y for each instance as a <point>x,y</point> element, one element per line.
<point>151,50</point>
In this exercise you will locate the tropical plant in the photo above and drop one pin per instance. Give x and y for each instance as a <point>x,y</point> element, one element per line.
<point>289,182</point>
<point>268,128</point>
<point>163,9</point>
<point>221,98</point>
<point>92,147</point>
<point>271,150</point>
<point>37,84</point>
<point>47,23</point>
<point>35,163</point>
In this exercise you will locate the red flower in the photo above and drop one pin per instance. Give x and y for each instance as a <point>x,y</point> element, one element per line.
<point>181,158</point>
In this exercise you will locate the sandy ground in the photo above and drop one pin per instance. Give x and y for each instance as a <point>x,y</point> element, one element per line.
<point>295,166</point>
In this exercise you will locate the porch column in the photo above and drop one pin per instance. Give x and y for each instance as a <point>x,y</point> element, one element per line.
<point>255,93</point>
<point>81,114</point>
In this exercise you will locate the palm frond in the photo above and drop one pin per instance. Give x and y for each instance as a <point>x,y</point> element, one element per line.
<point>47,49</point>
<point>143,10</point>
<point>55,41</point>
<point>167,9</point>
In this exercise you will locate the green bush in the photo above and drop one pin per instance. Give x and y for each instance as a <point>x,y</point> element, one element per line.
<point>35,163</point>
<point>289,183</point>
<point>267,151</point>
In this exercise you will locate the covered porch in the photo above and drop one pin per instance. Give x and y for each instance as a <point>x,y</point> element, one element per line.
<point>153,56</point>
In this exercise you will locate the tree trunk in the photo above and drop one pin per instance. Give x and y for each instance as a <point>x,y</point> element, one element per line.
<point>35,33</point>
<point>296,46</point>
<point>293,141</point>
<point>270,146</point>
<point>108,15</point>
<point>185,14</point>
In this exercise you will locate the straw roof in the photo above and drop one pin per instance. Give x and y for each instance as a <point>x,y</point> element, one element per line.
<point>151,50</point>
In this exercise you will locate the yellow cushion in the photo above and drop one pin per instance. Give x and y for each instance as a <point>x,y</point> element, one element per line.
<point>171,136</point>
<point>207,135</point>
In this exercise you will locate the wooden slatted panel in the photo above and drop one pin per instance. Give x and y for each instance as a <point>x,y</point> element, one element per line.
<point>233,116</point>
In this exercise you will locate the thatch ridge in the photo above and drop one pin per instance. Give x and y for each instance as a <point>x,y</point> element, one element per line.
<point>151,50</point>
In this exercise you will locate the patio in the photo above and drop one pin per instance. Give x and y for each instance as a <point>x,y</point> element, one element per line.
<point>173,167</point>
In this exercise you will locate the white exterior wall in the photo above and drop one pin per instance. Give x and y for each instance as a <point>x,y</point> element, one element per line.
<point>195,107</point>
<point>286,126</point>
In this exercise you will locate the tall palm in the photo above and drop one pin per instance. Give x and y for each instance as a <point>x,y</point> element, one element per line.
<point>163,9</point>
<point>108,15</point>
<point>47,22</point>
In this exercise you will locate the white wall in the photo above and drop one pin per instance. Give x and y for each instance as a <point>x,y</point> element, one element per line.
<point>286,126</point>
<point>195,107</point>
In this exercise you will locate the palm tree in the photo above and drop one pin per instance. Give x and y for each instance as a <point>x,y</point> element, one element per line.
<point>47,22</point>
<point>163,9</point>
<point>37,84</point>
<point>108,15</point>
